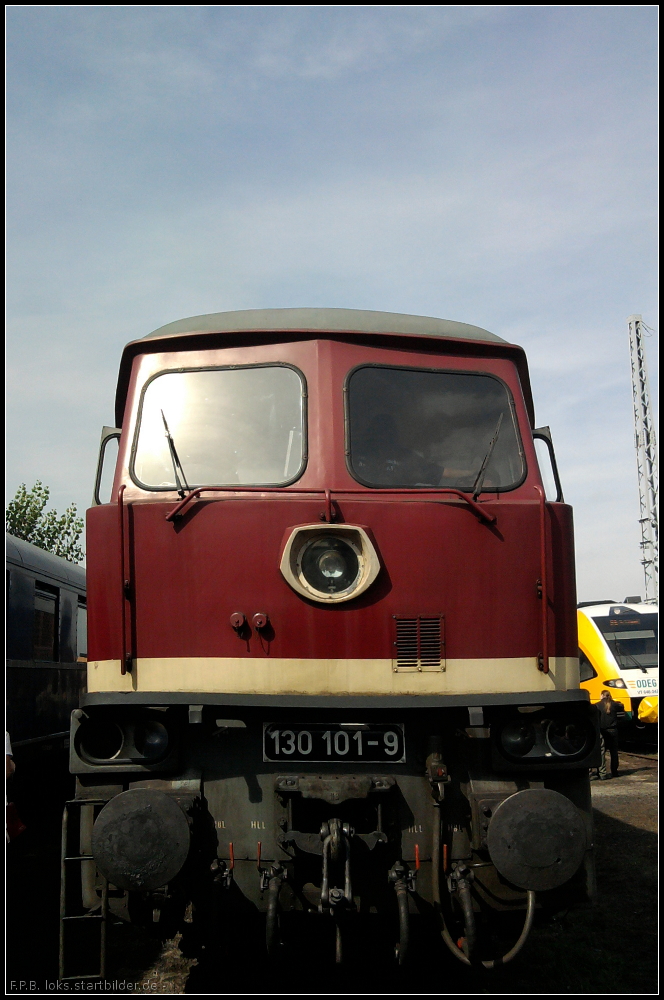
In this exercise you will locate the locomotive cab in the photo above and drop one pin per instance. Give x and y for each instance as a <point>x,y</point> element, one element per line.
<point>333,657</point>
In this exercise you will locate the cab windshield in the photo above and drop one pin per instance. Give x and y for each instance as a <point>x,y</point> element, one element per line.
<point>228,426</point>
<point>415,428</point>
<point>631,639</point>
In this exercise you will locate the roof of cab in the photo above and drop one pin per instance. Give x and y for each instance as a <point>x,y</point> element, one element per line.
<point>328,320</point>
<point>258,323</point>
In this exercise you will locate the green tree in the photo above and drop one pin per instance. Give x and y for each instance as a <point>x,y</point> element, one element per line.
<point>56,533</point>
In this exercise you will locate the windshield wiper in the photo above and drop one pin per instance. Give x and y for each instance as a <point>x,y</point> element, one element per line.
<point>477,488</point>
<point>175,460</point>
<point>622,653</point>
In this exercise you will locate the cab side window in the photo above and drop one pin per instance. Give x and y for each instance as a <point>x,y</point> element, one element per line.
<point>82,632</point>
<point>586,669</point>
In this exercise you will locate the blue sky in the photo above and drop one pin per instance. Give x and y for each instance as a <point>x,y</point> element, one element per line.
<point>489,164</point>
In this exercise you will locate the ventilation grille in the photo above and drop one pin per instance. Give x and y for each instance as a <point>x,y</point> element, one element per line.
<point>420,644</point>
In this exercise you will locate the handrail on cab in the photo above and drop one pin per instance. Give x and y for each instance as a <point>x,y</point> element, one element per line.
<point>543,582</point>
<point>176,513</point>
<point>123,661</point>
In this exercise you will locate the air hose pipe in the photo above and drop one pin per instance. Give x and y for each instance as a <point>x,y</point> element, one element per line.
<point>466,903</point>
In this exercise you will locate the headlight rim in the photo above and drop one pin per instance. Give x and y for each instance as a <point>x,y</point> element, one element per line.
<point>524,724</point>
<point>577,754</point>
<point>91,728</point>
<point>302,536</point>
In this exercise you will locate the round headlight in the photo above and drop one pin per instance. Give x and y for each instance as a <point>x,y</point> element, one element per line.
<point>518,738</point>
<point>151,739</point>
<point>567,739</point>
<point>330,565</point>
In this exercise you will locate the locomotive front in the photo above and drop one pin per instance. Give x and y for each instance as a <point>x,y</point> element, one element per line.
<point>333,662</point>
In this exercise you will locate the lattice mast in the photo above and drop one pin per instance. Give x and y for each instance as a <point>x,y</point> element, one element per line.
<point>646,459</point>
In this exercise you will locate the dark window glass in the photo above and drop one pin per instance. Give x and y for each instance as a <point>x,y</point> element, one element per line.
<point>45,632</point>
<point>231,425</point>
<point>421,428</point>
<point>586,669</point>
<point>632,639</point>
<point>81,631</point>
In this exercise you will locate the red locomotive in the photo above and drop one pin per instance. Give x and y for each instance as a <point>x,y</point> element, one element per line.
<point>333,660</point>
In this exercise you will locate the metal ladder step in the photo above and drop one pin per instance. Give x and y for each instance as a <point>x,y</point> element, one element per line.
<point>75,918</point>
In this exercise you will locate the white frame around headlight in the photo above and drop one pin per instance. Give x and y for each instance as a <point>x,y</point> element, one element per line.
<point>353,535</point>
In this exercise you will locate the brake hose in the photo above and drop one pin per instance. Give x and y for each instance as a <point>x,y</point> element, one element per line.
<point>404,917</point>
<point>272,919</point>
<point>466,901</point>
<point>447,938</point>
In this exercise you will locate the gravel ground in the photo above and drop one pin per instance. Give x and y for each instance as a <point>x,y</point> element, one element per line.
<point>609,949</point>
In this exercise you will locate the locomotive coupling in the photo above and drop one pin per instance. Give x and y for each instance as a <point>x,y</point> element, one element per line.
<point>336,849</point>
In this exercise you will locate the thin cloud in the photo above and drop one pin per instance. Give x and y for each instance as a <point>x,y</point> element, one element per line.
<point>489,164</point>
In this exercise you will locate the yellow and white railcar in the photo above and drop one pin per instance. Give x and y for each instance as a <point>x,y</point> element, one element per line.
<point>618,650</point>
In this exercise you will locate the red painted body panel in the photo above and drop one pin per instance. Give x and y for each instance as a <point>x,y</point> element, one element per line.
<point>437,558</point>
<point>188,577</point>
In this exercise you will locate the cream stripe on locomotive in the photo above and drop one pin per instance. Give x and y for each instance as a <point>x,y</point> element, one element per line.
<point>254,675</point>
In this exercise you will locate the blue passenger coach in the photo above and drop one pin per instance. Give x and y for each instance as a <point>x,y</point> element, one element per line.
<point>46,646</point>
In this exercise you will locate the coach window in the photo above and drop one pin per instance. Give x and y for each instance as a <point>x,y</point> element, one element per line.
<point>81,631</point>
<point>421,428</point>
<point>45,632</point>
<point>227,426</point>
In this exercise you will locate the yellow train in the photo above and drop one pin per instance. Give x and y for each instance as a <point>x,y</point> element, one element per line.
<point>618,651</point>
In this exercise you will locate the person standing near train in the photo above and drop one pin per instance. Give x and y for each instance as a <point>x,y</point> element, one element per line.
<point>608,732</point>
<point>11,766</point>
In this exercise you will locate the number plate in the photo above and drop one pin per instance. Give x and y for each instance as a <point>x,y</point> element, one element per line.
<point>321,742</point>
